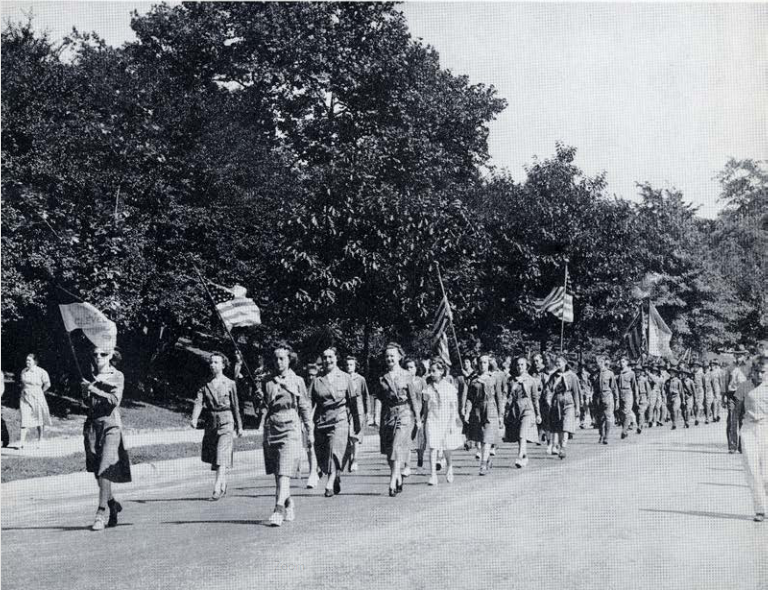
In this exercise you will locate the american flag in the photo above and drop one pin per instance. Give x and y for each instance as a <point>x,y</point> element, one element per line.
<point>439,334</point>
<point>634,337</point>
<point>558,303</point>
<point>234,307</point>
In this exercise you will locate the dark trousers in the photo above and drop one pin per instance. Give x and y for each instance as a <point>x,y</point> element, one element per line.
<point>604,416</point>
<point>732,425</point>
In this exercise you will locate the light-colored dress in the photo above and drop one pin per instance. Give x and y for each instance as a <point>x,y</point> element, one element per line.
<point>443,426</point>
<point>287,407</point>
<point>219,398</point>
<point>34,408</point>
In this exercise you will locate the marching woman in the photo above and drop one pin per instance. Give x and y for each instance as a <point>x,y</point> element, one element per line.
<point>400,412</point>
<point>484,419</point>
<point>563,395</point>
<point>418,443</point>
<point>34,409</point>
<point>333,396</point>
<point>522,411</point>
<point>287,408</point>
<point>219,398</point>
<point>105,454</point>
<point>541,373</point>
<point>442,426</point>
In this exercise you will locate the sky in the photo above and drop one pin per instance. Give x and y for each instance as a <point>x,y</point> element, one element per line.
<point>662,93</point>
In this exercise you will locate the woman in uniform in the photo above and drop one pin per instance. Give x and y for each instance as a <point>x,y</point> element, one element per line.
<point>105,454</point>
<point>332,396</point>
<point>563,395</point>
<point>222,424</point>
<point>34,409</point>
<point>442,425</point>
<point>484,419</point>
<point>287,408</point>
<point>400,412</point>
<point>522,411</point>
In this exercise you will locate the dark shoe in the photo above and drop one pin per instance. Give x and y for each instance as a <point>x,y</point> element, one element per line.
<point>605,442</point>
<point>639,431</point>
<point>696,423</point>
<point>328,493</point>
<point>624,435</point>
<point>759,517</point>
<point>337,485</point>
<point>674,427</point>
<point>399,487</point>
<point>392,493</point>
<point>114,509</point>
<point>561,454</point>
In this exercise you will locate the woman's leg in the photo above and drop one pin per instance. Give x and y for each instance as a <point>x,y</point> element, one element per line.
<point>221,479</point>
<point>22,437</point>
<point>433,462</point>
<point>283,489</point>
<point>105,493</point>
<point>394,472</point>
<point>39,434</point>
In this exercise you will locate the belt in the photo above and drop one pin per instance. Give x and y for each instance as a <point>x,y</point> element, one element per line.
<point>221,410</point>
<point>398,404</point>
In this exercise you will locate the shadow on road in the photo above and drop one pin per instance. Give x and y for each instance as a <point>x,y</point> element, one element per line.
<point>700,513</point>
<point>63,529</point>
<point>724,452</point>
<point>724,485</point>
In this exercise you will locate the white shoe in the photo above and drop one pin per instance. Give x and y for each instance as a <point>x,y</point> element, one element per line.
<point>312,480</point>
<point>549,449</point>
<point>521,462</point>
<point>477,455</point>
<point>449,475</point>
<point>433,480</point>
<point>493,452</point>
<point>354,466</point>
<point>277,516</point>
<point>290,513</point>
<point>407,472</point>
<point>100,523</point>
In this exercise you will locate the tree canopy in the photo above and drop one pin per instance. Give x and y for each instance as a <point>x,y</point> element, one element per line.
<point>319,155</point>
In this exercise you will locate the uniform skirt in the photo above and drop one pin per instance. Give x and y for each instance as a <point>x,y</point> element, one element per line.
<point>520,422</point>
<point>105,453</point>
<point>484,424</point>
<point>331,442</point>
<point>34,409</point>
<point>395,432</point>
<point>282,447</point>
<point>218,446</point>
<point>562,414</point>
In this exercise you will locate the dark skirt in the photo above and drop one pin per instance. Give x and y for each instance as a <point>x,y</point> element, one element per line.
<point>396,432</point>
<point>331,442</point>
<point>105,453</point>
<point>484,423</point>
<point>520,421</point>
<point>562,414</point>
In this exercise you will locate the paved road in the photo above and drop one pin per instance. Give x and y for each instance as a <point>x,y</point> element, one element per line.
<point>661,510</point>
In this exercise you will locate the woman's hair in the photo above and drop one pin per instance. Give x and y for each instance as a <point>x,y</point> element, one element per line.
<point>222,356</point>
<point>416,363</point>
<point>333,350</point>
<point>440,364</point>
<point>522,357</point>
<point>292,356</point>
<point>394,346</point>
<point>33,356</point>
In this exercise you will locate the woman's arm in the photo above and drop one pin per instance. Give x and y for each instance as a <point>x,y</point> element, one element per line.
<point>198,408</point>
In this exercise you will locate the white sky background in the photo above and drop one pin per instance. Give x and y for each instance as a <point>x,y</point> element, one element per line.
<point>664,93</point>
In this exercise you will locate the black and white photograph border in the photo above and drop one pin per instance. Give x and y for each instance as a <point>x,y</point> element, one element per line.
<point>379,295</point>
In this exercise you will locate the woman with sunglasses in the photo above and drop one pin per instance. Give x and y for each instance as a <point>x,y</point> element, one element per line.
<point>105,454</point>
<point>287,407</point>
<point>219,398</point>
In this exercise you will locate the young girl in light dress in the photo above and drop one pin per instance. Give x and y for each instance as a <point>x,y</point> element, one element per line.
<point>443,426</point>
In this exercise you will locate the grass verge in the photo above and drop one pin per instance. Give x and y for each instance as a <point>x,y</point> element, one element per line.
<point>15,467</point>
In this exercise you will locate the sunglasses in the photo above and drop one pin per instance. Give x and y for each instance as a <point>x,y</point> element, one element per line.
<point>101,354</point>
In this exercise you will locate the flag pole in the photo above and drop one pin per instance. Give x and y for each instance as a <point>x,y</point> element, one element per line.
<point>562,311</point>
<point>223,323</point>
<point>450,316</point>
